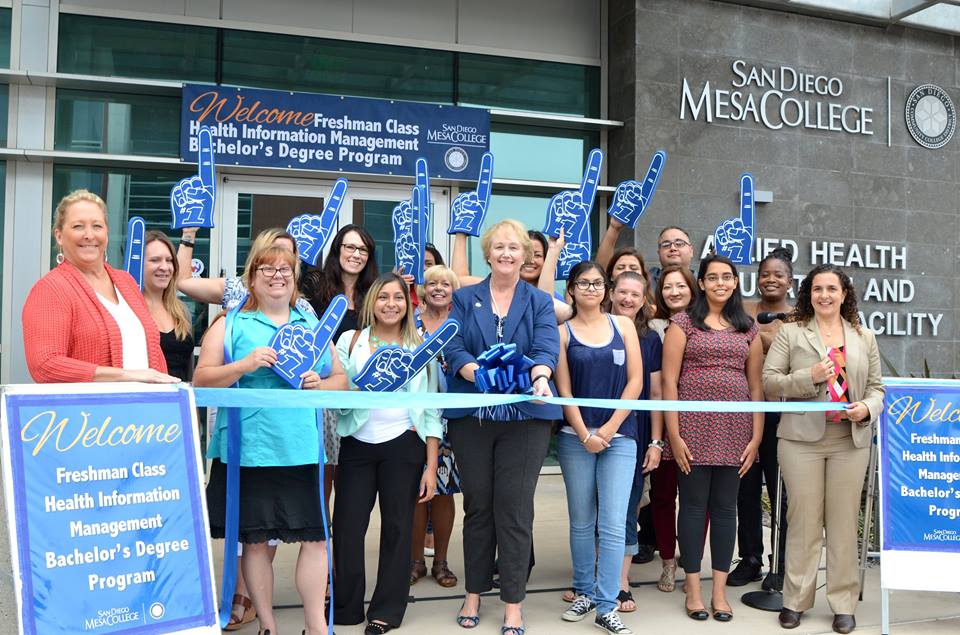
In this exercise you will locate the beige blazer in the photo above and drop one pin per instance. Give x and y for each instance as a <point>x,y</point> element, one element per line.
<point>786,375</point>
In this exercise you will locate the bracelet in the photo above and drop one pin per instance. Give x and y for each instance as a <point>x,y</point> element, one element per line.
<point>657,443</point>
<point>540,376</point>
<point>187,243</point>
<point>586,438</point>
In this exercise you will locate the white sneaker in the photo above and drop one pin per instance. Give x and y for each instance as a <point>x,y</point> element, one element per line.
<point>581,607</point>
<point>611,623</point>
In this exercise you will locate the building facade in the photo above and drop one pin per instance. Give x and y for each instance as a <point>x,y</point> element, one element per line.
<point>810,102</point>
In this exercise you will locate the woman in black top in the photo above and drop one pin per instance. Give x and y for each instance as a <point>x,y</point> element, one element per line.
<point>160,271</point>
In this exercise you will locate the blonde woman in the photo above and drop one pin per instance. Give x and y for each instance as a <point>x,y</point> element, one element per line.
<point>160,271</point>
<point>86,321</point>
<point>382,456</point>
<point>436,294</point>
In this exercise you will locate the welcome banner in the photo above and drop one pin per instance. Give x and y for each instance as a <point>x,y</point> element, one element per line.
<point>282,129</point>
<point>106,510</point>
<point>920,485</point>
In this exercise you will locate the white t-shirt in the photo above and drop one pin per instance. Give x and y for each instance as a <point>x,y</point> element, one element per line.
<point>383,424</point>
<point>132,335</point>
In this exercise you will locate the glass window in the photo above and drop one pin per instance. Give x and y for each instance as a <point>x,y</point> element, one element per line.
<point>5,38</point>
<point>3,202</point>
<point>117,123</point>
<point>508,82</point>
<point>144,193</point>
<point>540,154</point>
<point>90,45</point>
<point>337,67</point>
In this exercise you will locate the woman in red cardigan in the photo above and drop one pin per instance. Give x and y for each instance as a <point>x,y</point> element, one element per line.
<point>86,321</point>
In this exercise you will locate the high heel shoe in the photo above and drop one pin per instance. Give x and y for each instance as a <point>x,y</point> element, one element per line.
<point>468,621</point>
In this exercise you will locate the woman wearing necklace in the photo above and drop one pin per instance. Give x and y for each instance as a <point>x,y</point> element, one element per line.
<point>382,456</point>
<point>439,284</point>
<point>775,279</point>
<point>500,449</point>
<point>823,354</point>
<point>712,352</point>
<point>599,358</point>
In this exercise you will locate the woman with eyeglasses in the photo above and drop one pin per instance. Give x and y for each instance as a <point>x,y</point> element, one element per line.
<point>712,352</point>
<point>350,268</point>
<point>599,359</point>
<point>280,447</point>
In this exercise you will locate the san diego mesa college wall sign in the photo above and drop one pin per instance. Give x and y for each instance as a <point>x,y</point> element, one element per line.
<point>931,116</point>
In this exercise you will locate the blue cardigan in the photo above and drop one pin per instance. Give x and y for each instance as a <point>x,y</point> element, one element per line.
<point>530,324</point>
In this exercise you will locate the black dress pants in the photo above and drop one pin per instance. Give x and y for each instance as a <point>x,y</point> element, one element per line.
<point>749,509</point>
<point>707,489</point>
<point>499,467</point>
<point>366,471</point>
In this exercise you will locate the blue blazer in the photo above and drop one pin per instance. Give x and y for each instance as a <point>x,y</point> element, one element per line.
<point>530,324</point>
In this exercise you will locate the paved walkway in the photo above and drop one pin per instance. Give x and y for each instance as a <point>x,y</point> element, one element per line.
<point>433,608</point>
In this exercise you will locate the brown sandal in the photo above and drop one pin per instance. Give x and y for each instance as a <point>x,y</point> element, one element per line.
<point>668,578</point>
<point>418,569</point>
<point>249,613</point>
<point>442,574</point>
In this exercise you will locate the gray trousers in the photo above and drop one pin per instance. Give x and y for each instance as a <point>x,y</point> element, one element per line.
<point>499,465</point>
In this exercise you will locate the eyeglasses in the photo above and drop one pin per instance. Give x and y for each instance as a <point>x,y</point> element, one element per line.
<point>583,285</point>
<point>353,249</point>
<point>713,278</point>
<point>270,271</point>
<point>679,243</point>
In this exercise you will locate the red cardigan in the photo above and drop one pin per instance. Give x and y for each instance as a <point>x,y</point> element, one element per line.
<point>67,332</point>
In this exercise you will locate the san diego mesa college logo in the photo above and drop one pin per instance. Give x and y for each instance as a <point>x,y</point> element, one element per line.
<point>931,116</point>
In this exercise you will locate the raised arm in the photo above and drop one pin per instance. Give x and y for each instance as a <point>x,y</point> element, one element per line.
<point>608,244</point>
<point>459,261</point>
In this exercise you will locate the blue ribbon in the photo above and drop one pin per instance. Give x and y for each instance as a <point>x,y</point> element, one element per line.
<point>336,399</point>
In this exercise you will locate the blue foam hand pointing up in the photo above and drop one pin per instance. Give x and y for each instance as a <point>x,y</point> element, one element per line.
<point>734,237</point>
<point>312,231</point>
<point>192,199</point>
<point>133,255</point>
<point>632,198</point>
<point>570,209</point>
<point>470,208</point>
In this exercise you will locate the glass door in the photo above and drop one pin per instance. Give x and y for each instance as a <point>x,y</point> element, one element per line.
<point>252,204</point>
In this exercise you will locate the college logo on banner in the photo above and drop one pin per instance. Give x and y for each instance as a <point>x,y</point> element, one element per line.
<point>273,128</point>
<point>106,511</point>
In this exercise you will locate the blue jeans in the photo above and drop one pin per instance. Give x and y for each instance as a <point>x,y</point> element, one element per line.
<point>598,486</point>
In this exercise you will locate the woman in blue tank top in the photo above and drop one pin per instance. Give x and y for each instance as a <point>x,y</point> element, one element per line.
<point>600,359</point>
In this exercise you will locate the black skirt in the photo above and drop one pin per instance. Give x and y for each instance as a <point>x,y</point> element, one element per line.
<point>276,503</point>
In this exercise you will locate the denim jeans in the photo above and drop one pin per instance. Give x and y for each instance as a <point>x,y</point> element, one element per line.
<point>598,486</point>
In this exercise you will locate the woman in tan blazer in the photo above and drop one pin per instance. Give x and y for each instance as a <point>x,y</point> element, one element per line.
<point>822,354</point>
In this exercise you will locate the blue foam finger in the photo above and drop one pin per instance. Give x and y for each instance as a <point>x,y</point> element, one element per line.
<point>312,231</point>
<point>631,198</point>
<point>391,367</point>
<point>296,352</point>
<point>569,210</point>
<point>192,199</point>
<point>404,243</point>
<point>417,233</point>
<point>734,237</point>
<point>423,187</point>
<point>133,255</point>
<point>469,209</point>
<point>329,323</point>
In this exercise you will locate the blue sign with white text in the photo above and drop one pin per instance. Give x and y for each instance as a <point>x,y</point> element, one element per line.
<point>920,464</point>
<point>272,128</point>
<point>109,527</point>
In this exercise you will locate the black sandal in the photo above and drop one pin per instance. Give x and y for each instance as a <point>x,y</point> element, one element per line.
<point>376,628</point>
<point>625,596</point>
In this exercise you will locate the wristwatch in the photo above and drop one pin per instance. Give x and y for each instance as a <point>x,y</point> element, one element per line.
<point>657,443</point>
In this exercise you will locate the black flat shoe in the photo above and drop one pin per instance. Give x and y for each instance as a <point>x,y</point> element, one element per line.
<point>376,628</point>
<point>700,615</point>
<point>721,615</point>
<point>789,618</point>
<point>844,623</point>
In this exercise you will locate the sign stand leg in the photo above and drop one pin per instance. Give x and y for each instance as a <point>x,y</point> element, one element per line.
<point>884,611</point>
<point>771,600</point>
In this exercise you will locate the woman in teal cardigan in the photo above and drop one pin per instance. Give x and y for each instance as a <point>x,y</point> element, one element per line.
<point>382,455</point>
